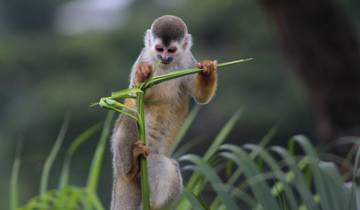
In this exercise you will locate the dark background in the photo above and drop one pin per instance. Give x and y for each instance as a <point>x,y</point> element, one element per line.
<point>59,56</point>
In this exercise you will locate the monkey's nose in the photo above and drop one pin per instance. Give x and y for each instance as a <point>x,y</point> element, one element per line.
<point>168,60</point>
<point>165,60</point>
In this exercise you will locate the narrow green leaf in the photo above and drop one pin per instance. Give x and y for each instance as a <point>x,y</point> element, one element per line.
<point>224,133</point>
<point>237,173</point>
<point>179,73</point>
<point>94,199</point>
<point>185,148</point>
<point>51,158</point>
<point>195,183</point>
<point>283,181</point>
<point>95,167</point>
<point>15,179</point>
<point>84,136</point>
<point>260,188</point>
<point>298,180</point>
<point>195,203</point>
<point>125,93</point>
<point>185,127</point>
<point>207,171</point>
<point>84,200</point>
<point>327,180</point>
<point>118,107</point>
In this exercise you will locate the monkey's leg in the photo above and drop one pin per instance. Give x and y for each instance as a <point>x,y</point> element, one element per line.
<point>165,181</point>
<point>126,193</point>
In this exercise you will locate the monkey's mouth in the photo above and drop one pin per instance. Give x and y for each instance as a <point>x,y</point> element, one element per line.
<point>165,62</point>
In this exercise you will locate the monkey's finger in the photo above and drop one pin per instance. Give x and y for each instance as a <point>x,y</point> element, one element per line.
<point>140,149</point>
<point>147,71</point>
<point>146,152</point>
<point>200,65</point>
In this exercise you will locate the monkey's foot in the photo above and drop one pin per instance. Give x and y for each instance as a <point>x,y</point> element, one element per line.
<point>139,149</point>
<point>209,67</point>
<point>143,72</point>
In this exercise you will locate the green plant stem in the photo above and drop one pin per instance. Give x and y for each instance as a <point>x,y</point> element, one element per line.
<point>143,163</point>
<point>179,73</point>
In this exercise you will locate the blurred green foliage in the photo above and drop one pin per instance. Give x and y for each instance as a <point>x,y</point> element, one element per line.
<point>226,176</point>
<point>44,74</point>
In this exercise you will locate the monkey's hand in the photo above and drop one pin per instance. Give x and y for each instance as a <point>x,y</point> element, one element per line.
<point>139,148</point>
<point>142,72</point>
<point>208,67</point>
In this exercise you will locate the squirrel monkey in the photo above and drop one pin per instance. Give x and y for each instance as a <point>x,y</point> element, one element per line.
<point>166,106</point>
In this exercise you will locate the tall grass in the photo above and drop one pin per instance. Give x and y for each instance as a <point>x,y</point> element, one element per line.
<point>251,176</point>
<point>66,196</point>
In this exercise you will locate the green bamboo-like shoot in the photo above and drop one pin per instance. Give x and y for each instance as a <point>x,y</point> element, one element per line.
<point>111,103</point>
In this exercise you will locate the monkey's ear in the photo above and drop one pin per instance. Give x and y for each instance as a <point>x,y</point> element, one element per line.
<point>187,42</point>
<point>148,38</point>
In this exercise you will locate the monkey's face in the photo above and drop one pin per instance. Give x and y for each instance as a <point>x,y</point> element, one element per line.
<point>167,54</point>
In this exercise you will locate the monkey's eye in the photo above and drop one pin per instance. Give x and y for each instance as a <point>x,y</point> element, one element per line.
<point>172,50</point>
<point>159,49</point>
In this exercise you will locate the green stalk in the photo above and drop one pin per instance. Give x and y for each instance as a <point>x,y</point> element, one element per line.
<point>145,193</point>
<point>180,73</point>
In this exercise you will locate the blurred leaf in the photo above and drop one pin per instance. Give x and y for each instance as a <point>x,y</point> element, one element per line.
<point>95,167</point>
<point>53,153</point>
<point>14,196</point>
<point>78,141</point>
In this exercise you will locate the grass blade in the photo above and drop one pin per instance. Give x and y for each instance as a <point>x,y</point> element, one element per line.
<point>117,107</point>
<point>94,172</point>
<point>283,183</point>
<point>299,180</point>
<point>125,93</point>
<point>94,199</point>
<point>195,202</point>
<point>207,171</point>
<point>328,182</point>
<point>51,158</point>
<point>195,183</point>
<point>84,136</point>
<point>224,133</point>
<point>185,127</point>
<point>15,179</point>
<point>234,177</point>
<point>260,188</point>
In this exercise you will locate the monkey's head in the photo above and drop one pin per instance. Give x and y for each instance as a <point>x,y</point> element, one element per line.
<point>167,39</point>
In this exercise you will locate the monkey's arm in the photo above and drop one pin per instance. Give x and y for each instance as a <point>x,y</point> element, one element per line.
<point>140,72</point>
<point>202,86</point>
